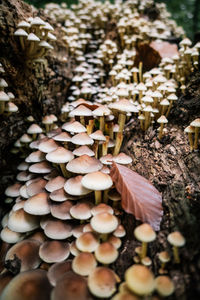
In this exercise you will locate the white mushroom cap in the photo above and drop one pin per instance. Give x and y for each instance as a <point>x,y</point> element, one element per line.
<point>97,181</point>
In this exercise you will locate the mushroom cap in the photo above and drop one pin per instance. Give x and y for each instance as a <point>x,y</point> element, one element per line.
<point>122,158</point>
<point>176,239</point>
<point>125,296</point>
<point>83,150</point>
<point>33,38</point>
<point>87,242</point>
<point>82,139</point>
<point>37,205</point>
<point>10,236</point>
<point>75,127</point>
<point>28,285</point>
<point>41,168</point>
<point>55,183</point>
<point>73,186</point>
<point>27,252</point>
<point>98,135</point>
<point>106,253</point>
<point>34,128</point>
<point>97,181</point>
<point>120,231</point>
<point>84,164</point>
<point>140,280</point>
<point>84,263</point>
<point>48,145</point>
<point>144,233</point>
<point>62,137</point>
<point>36,187</point>
<point>61,211</point>
<point>123,105</point>
<point>102,282</point>
<point>81,211</point>
<point>195,123</point>
<point>164,256</point>
<point>21,221</point>
<point>54,251</point>
<point>57,270</point>
<point>36,156</point>
<point>57,229</point>
<point>189,129</point>
<point>71,286</point>
<point>13,190</point>
<point>162,119</point>
<point>100,208</point>
<point>20,32</point>
<point>81,110</point>
<point>164,286</point>
<point>60,195</point>
<point>104,223</point>
<point>60,156</point>
<point>115,241</point>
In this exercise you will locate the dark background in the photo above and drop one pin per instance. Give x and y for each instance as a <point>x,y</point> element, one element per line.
<point>185,12</point>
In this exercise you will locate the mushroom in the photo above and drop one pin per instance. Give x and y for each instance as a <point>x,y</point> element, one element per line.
<point>190,130</point>
<point>145,234</point>
<point>176,240</point>
<point>196,125</point>
<point>164,286</point>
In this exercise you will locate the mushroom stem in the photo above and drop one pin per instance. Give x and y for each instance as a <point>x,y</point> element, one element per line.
<point>110,130</point>
<point>90,127</point>
<point>147,114</point>
<point>101,125</point>
<point>119,139</point>
<point>21,40</point>
<point>161,130</point>
<point>47,126</point>
<point>64,170</point>
<point>95,148</point>
<point>169,108</point>
<point>105,196</point>
<point>190,137</point>
<point>104,237</point>
<point>97,197</point>
<point>82,120</point>
<point>176,255</point>
<point>2,107</point>
<point>140,71</point>
<point>196,134</point>
<point>135,79</point>
<point>105,146</point>
<point>143,250</point>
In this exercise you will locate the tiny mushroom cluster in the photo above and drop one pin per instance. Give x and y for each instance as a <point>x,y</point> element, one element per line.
<point>6,105</point>
<point>35,37</point>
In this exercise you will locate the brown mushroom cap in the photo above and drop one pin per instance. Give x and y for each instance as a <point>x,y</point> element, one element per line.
<point>164,286</point>
<point>84,263</point>
<point>28,285</point>
<point>61,211</point>
<point>144,233</point>
<point>47,145</point>
<point>82,139</point>
<point>57,229</point>
<point>36,186</point>
<point>10,236</point>
<point>102,282</point>
<point>125,296</point>
<point>100,208</point>
<point>13,190</point>
<point>140,280</point>
<point>36,156</point>
<point>104,223</point>
<point>106,253</point>
<point>27,251</point>
<point>71,286</point>
<point>115,241</point>
<point>54,251</point>
<point>83,150</point>
<point>84,164</point>
<point>57,270</point>
<point>81,211</point>
<point>87,242</point>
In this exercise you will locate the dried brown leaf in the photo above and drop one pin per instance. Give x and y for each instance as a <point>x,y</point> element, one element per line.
<point>139,196</point>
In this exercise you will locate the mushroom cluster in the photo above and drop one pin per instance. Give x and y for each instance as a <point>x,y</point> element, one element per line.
<point>6,98</point>
<point>193,134</point>
<point>35,36</point>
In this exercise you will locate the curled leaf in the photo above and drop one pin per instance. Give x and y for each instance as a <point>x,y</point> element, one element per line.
<point>139,196</point>
<point>165,49</point>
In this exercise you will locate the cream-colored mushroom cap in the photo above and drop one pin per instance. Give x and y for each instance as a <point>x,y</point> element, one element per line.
<point>87,242</point>
<point>189,129</point>
<point>54,251</point>
<point>82,139</point>
<point>144,233</point>
<point>195,123</point>
<point>34,128</point>
<point>73,186</point>
<point>61,210</point>
<point>60,155</point>
<point>98,135</point>
<point>20,221</point>
<point>164,256</point>
<point>84,263</point>
<point>36,187</point>
<point>48,145</point>
<point>81,110</point>
<point>75,127</point>
<point>164,286</point>
<point>30,285</point>
<point>81,211</point>
<point>57,229</point>
<point>55,183</point>
<point>27,252</point>
<point>115,241</point>
<point>122,158</point>
<point>125,296</point>
<point>84,164</point>
<point>162,119</point>
<point>176,239</point>
<point>41,168</point>
<point>97,181</point>
<point>13,190</point>
<point>100,208</point>
<point>10,236</point>
<point>102,282</point>
<point>104,223</point>
<point>37,205</point>
<point>106,253</point>
<point>140,280</point>
<point>36,156</point>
